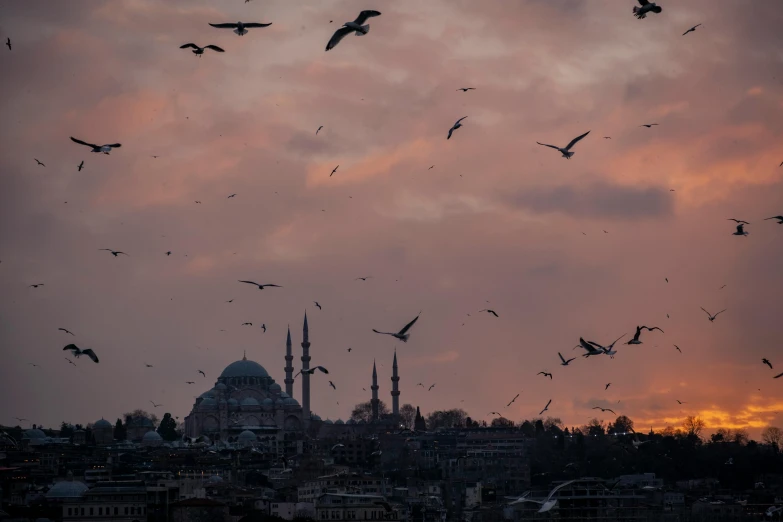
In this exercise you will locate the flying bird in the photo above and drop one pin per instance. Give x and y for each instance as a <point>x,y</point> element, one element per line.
<point>766,361</point>
<point>240,28</point>
<point>564,360</point>
<point>607,386</point>
<point>334,170</point>
<point>332,385</point>
<point>97,148</point>
<point>80,166</point>
<point>607,350</point>
<point>431,387</point>
<point>466,89</point>
<point>639,329</point>
<point>363,278</point>
<point>168,253</point>
<point>589,347</point>
<point>402,335</point>
<point>34,365</point>
<point>232,196</point>
<point>691,29</point>
<point>566,151</point>
<point>260,287</point>
<point>202,373</point>
<point>352,27</point>
<point>155,405</point>
<point>678,348</point>
<point>680,402</point>
<point>21,419</point>
<point>8,43</point>
<point>70,361</point>
<point>454,127</point>
<point>712,317</point>
<point>350,350</point>
<point>490,311</point>
<point>318,129</point>
<point>779,218</point>
<point>512,400</point>
<point>247,324</point>
<point>115,253</point>
<point>648,125</point>
<point>263,327</point>
<point>190,382</point>
<point>198,51</point>
<point>39,162</point>
<point>311,371</point>
<point>36,285</point>
<point>646,7</point>
<point>546,408</point>
<point>78,352</point>
<point>318,305</point>
<point>607,137</point>
<point>604,410</point>
<point>778,376</point>
<point>495,413</point>
<point>739,221</point>
<point>545,374</point>
<point>66,331</point>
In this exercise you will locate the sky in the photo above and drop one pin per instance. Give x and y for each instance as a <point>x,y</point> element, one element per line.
<point>560,249</point>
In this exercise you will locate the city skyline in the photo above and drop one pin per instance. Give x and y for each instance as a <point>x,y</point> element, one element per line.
<point>633,230</point>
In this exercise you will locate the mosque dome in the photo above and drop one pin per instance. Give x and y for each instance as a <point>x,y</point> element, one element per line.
<point>350,421</point>
<point>233,402</point>
<point>101,424</point>
<point>208,393</point>
<point>220,386</point>
<point>290,402</point>
<point>249,401</point>
<point>339,421</point>
<point>284,395</point>
<point>208,402</point>
<point>328,421</point>
<point>215,479</point>
<point>314,417</point>
<point>247,436</point>
<point>151,436</point>
<point>275,388</point>
<point>267,403</point>
<point>244,368</point>
<point>67,489</point>
<point>33,434</point>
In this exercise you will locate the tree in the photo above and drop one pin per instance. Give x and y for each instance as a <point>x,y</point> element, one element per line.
<point>168,428</point>
<point>407,415</point>
<point>528,429</point>
<point>419,424</point>
<point>66,430</point>
<point>693,425</point>
<point>139,414</point>
<point>120,433</point>
<point>595,427</point>
<point>621,425</point>
<point>502,422</point>
<point>721,435</point>
<point>454,418</point>
<point>772,436</point>
<point>363,411</point>
<point>740,436</point>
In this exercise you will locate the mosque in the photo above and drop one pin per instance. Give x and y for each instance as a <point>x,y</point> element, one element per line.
<point>246,405</point>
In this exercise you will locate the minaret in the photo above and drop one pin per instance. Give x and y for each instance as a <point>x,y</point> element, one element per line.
<point>305,366</point>
<point>395,393</point>
<point>374,402</point>
<point>289,367</point>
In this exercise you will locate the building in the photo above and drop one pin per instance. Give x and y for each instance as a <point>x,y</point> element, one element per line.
<point>342,483</point>
<point>246,405</point>
<point>358,508</point>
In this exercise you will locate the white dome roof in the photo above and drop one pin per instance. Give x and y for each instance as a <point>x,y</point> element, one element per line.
<point>67,489</point>
<point>244,368</point>
<point>249,401</point>
<point>103,423</point>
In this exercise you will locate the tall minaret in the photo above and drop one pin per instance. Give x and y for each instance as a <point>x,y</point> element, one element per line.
<point>289,367</point>
<point>305,366</point>
<point>374,402</point>
<point>395,388</point>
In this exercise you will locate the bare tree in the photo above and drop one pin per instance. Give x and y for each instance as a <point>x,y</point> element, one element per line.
<point>693,425</point>
<point>407,415</point>
<point>363,411</point>
<point>740,436</point>
<point>772,436</point>
<point>502,422</point>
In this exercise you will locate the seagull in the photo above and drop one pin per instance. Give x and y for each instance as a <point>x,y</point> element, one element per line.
<point>260,287</point>
<point>641,12</point>
<point>546,408</point>
<point>648,125</point>
<point>454,127</point>
<point>740,231</point>
<point>336,446</point>
<point>80,166</point>
<point>247,324</point>
<point>495,413</point>
<point>263,327</point>
<point>401,335</point>
<point>318,305</point>
<point>198,51</point>
<point>332,385</point>
<point>239,27</point>
<point>318,129</point>
<point>680,402</point>
<point>36,285</point>
<point>311,371</point>
<point>607,386</point>
<point>232,196</point>
<point>34,365</point>
<point>466,89</point>
<point>779,218</point>
<point>490,311</point>
<point>738,221</point>
<point>565,151</point>
<point>39,162</point>
<point>202,373</point>
<point>591,349</point>
<point>545,374</point>
<point>564,360</point>
<point>97,148</point>
<point>512,400</point>
<point>168,253</point>
<point>639,329</point>
<point>155,405</point>
<point>65,330</point>
<point>604,410</point>
<point>607,137</point>
<point>608,349</point>
<point>712,317</point>
<point>190,382</point>
<point>350,349</point>
<point>8,43</point>
<point>77,352</point>
<point>334,170</point>
<point>363,278</point>
<point>766,361</point>
<point>691,29</point>
<point>431,387</point>
<point>352,27</point>
<point>678,348</point>
<point>115,253</point>
<point>778,376</point>
<point>21,419</point>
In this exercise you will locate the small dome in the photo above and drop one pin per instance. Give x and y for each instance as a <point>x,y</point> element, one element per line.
<point>284,395</point>
<point>275,388</point>
<point>215,479</point>
<point>314,417</point>
<point>247,436</point>
<point>290,402</point>
<point>233,402</point>
<point>101,424</point>
<point>208,402</point>
<point>244,368</point>
<point>267,403</point>
<point>328,421</point>
<point>350,421</point>
<point>339,421</point>
<point>208,393</point>
<point>151,436</point>
<point>67,489</point>
<point>33,434</point>
<point>220,386</point>
<point>249,401</point>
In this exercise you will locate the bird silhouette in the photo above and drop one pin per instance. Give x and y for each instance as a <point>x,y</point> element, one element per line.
<point>766,361</point>
<point>39,162</point>
<point>402,335</point>
<point>198,51</point>
<point>564,361</point>
<point>332,385</point>
<point>466,89</point>
<point>545,374</point>
<point>712,317</point>
<point>334,170</point>
<point>202,373</point>
<point>80,166</point>
<point>260,286</point>
<point>648,125</point>
<point>115,253</point>
<point>355,27</point>
<point>78,352</point>
<point>240,28</point>
<point>318,305</point>
<point>546,408</point>
<point>490,311</point>
<point>454,127</point>
<point>604,410</point>
<point>36,285</point>
<point>692,29</point>
<point>106,149</point>
<point>311,371</point>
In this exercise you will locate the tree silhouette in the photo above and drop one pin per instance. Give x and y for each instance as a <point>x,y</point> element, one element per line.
<point>693,425</point>
<point>120,433</point>
<point>363,411</point>
<point>454,418</point>
<point>772,436</point>
<point>168,428</point>
<point>502,422</point>
<point>621,425</point>
<point>407,415</point>
<point>66,430</point>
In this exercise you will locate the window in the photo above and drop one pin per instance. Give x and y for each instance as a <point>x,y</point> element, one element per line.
<point>91,512</point>
<point>116,510</point>
<point>69,512</point>
<point>82,511</point>
<point>126,510</point>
